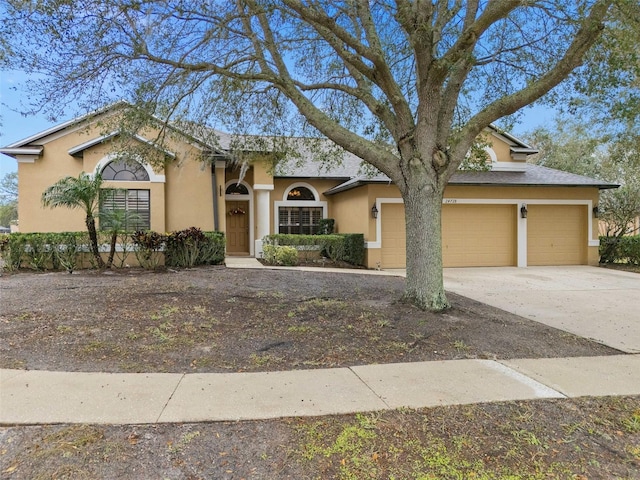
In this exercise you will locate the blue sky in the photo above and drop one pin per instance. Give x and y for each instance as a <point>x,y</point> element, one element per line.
<point>15,127</point>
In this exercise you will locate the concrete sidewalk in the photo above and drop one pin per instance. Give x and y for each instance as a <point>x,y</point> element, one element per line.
<point>250,262</point>
<point>40,397</point>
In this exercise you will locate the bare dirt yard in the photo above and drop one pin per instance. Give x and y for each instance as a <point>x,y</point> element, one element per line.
<point>214,319</point>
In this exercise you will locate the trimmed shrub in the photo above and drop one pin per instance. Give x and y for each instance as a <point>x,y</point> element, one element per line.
<point>190,247</point>
<point>67,250</point>
<point>183,247</point>
<point>12,249</point>
<point>148,247</point>
<point>630,249</point>
<point>345,247</point>
<point>620,249</point>
<point>70,250</point>
<point>280,255</point>
<point>353,248</point>
<point>213,250</point>
<point>608,249</point>
<point>326,226</point>
<point>42,251</point>
<point>38,253</point>
<point>308,246</point>
<point>333,247</point>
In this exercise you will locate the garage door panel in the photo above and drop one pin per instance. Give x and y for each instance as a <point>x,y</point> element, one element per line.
<point>473,235</point>
<point>394,239</point>
<point>478,235</point>
<point>557,235</point>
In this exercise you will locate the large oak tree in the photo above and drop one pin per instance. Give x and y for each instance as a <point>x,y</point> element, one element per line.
<point>406,85</point>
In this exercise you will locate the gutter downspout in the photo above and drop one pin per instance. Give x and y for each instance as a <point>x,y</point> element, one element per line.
<point>215,197</point>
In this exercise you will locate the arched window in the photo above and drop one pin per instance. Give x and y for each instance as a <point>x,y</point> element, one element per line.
<point>125,171</point>
<point>121,208</point>
<point>237,189</point>
<point>300,193</point>
<point>300,211</point>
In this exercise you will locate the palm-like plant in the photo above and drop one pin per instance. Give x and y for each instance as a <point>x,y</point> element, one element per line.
<point>115,222</point>
<point>81,192</point>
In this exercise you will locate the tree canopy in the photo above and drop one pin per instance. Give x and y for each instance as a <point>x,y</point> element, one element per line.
<point>405,85</point>
<point>573,147</point>
<point>607,94</point>
<point>8,199</point>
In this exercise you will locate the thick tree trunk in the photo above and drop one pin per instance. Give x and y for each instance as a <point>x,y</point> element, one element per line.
<point>93,237</point>
<point>423,211</point>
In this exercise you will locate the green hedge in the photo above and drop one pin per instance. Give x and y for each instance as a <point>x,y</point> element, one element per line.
<point>43,251</point>
<point>70,250</point>
<point>280,255</point>
<point>326,226</point>
<point>620,249</point>
<point>345,247</point>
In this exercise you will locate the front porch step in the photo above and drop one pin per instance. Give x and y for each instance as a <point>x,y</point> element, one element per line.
<point>242,262</point>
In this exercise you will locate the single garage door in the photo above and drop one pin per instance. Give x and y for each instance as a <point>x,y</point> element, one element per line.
<point>473,235</point>
<point>557,235</point>
<point>479,235</point>
<point>394,240</point>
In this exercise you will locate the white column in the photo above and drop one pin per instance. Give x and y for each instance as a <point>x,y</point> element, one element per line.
<point>263,217</point>
<point>522,237</point>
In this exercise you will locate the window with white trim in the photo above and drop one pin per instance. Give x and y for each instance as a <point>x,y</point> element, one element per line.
<point>125,171</point>
<point>122,208</point>
<point>128,209</point>
<point>299,220</point>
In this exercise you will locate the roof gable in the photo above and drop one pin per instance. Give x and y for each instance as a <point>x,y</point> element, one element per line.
<point>32,146</point>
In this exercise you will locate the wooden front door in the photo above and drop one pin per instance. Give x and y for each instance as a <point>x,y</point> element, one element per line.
<point>238,227</point>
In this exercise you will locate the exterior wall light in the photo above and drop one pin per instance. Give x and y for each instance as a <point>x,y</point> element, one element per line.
<point>523,210</point>
<point>374,211</point>
<point>595,211</point>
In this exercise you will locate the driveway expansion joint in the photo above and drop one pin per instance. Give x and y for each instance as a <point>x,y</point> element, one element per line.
<point>386,404</point>
<point>164,407</point>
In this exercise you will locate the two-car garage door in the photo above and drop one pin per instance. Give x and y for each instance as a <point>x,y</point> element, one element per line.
<point>475,235</point>
<point>472,235</point>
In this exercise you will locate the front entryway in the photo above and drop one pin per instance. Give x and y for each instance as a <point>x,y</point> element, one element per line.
<point>237,227</point>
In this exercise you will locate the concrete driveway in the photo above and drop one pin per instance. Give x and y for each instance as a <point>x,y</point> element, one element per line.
<point>591,302</point>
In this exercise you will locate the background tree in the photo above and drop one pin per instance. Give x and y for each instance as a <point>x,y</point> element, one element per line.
<point>571,146</point>
<point>82,192</point>
<point>620,209</point>
<point>608,95</point>
<point>8,199</point>
<point>405,85</point>
<point>575,147</point>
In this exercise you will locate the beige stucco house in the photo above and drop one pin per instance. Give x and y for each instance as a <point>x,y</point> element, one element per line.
<point>516,214</point>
